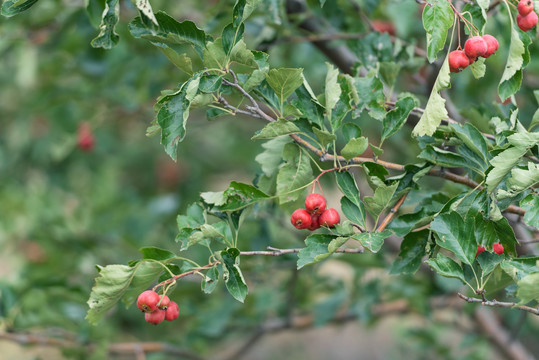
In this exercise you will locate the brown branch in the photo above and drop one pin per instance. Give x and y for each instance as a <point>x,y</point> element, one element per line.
<point>496,303</point>
<point>279,252</point>
<point>392,213</point>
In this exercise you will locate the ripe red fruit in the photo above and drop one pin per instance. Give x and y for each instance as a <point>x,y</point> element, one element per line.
<point>492,45</point>
<point>315,223</point>
<point>147,301</point>
<point>301,219</point>
<point>475,47</point>
<point>315,204</point>
<point>525,7</point>
<point>165,301</point>
<point>497,248</point>
<point>329,218</point>
<point>85,138</point>
<point>458,61</point>
<point>172,312</point>
<point>155,317</point>
<point>526,23</point>
<point>480,249</point>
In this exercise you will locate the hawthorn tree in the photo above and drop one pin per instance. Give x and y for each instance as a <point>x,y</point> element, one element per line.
<point>382,160</point>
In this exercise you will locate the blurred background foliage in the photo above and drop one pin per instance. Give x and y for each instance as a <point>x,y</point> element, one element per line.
<point>63,210</point>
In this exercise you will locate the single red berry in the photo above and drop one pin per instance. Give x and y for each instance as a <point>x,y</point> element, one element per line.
<point>301,219</point>
<point>165,301</point>
<point>492,45</point>
<point>172,311</point>
<point>526,23</point>
<point>315,223</point>
<point>458,61</point>
<point>497,248</point>
<point>329,218</point>
<point>155,317</point>
<point>147,301</point>
<point>525,7</point>
<point>475,47</point>
<point>480,249</point>
<point>315,204</point>
<point>85,138</point>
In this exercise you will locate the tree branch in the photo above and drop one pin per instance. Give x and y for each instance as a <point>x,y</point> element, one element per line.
<point>392,213</point>
<point>496,303</point>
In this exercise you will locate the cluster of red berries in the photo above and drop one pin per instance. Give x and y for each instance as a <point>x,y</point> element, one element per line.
<point>474,47</point>
<point>315,214</point>
<point>157,308</point>
<point>526,18</point>
<point>497,248</point>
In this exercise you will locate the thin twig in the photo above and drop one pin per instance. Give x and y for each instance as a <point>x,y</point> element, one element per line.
<point>392,213</point>
<point>496,303</point>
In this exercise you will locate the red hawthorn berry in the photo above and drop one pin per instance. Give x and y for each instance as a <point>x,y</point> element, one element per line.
<point>165,301</point>
<point>526,23</point>
<point>329,218</point>
<point>480,249</point>
<point>458,61</point>
<point>315,203</point>
<point>85,138</point>
<point>492,45</point>
<point>172,312</point>
<point>147,301</point>
<point>155,317</point>
<point>315,223</point>
<point>301,219</point>
<point>525,7</point>
<point>497,248</point>
<point>475,47</point>
<point>383,26</point>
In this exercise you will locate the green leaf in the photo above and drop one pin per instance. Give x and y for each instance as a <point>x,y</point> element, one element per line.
<point>488,262</point>
<point>232,274</point>
<point>503,163</point>
<point>531,204</point>
<point>478,68</point>
<point>210,282</point>
<point>370,92</point>
<point>333,89</point>
<point>113,282</point>
<point>284,82</point>
<point>143,277</point>
<point>271,157</point>
<point>519,268</point>
<point>512,74</point>
<point>437,19</point>
<point>231,35</point>
<point>354,213</point>
<point>455,236</point>
<point>413,249</point>
<point>324,136</point>
<point>347,185</point>
<point>396,118</point>
<point>355,147</point>
<point>295,174</point>
<point>239,196</point>
<point>181,61</point>
<point>373,240</point>
<point>210,83</point>
<point>316,250</point>
<point>154,253</point>
<point>472,139</point>
<point>520,180</point>
<point>14,7</point>
<point>276,128</point>
<point>447,267</point>
<point>107,38</point>
<point>173,114</point>
<point>435,110</point>
<point>446,158</point>
<point>528,288</point>
<point>381,199</point>
<point>535,119</point>
<point>307,103</point>
<point>169,31</point>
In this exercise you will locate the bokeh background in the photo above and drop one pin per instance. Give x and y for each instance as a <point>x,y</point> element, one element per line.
<point>64,210</point>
